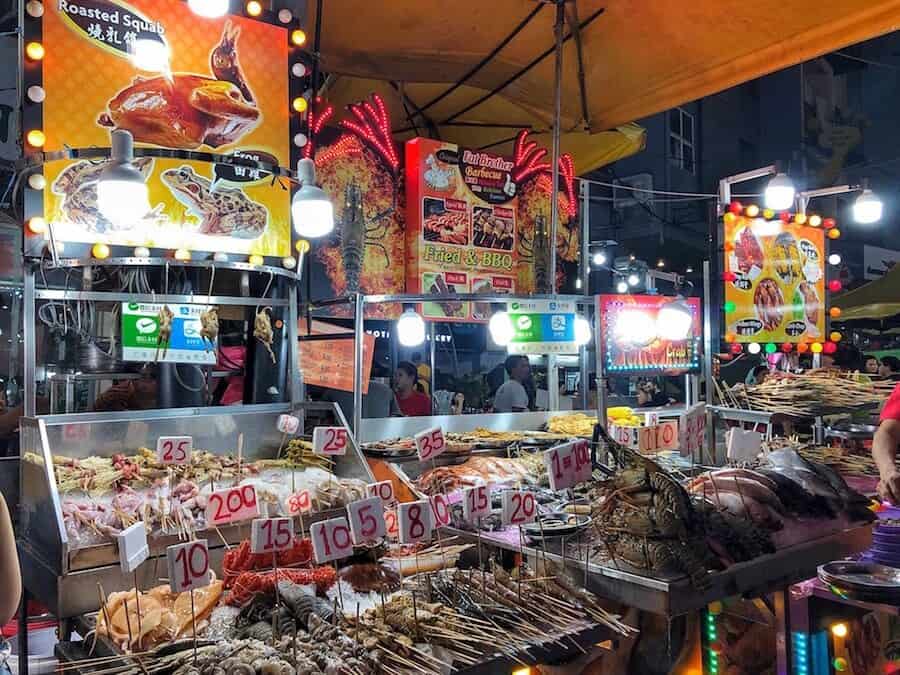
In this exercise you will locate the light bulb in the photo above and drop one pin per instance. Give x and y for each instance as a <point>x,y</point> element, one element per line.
<point>578,283</point>
<point>599,258</point>
<point>35,9</point>
<point>660,263</point>
<point>674,320</point>
<point>209,9</point>
<point>754,348</point>
<point>300,140</point>
<point>300,104</point>
<point>839,630</point>
<point>254,8</point>
<point>121,190</point>
<point>298,70</point>
<point>36,181</point>
<point>634,326</point>
<point>220,256</point>
<point>410,329</point>
<point>285,16</point>
<point>867,208</point>
<point>622,287</point>
<point>298,37</point>
<point>633,279</point>
<point>150,52</point>
<point>182,254</point>
<point>780,192</point>
<point>501,328</point>
<point>582,330</point>
<point>34,51</point>
<point>36,94</point>
<point>312,211</point>
<point>289,262</point>
<point>256,260</point>
<point>141,252</point>
<point>834,259</point>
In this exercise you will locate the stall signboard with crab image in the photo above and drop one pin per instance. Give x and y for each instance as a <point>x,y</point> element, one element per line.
<point>226,93</point>
<point>774,276</point>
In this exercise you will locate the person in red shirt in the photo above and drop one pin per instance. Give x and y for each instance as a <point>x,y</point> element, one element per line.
<point>884,449</point>
<point>412,400</point>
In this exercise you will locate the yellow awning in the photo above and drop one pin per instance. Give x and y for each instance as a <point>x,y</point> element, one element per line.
<point>878,299</point>
<point>638,58</point>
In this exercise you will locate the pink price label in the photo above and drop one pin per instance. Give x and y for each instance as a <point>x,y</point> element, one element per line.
<point>367,520</point>
<point>581,455</point>
<point>330,440</point>
<point>430,443</point>
<point>268,535</point>
<point>228,506</point>
<point>392,524</point>
<point>519,507</point>
<point>476,502</point>
<point>414,521</point>
<point>188,565</point>
<point>174,449</point>
<point>287,424</point>
<point>331,540</point>
<point>440,511</point>
<point>383,489</point>
<point>298,503</point>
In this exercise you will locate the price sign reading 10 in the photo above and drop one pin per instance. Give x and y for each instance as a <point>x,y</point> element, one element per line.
<point>331,539</point>
<point>188,566</point>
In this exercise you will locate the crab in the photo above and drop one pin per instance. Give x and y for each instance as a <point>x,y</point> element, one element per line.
<point>187,110</point>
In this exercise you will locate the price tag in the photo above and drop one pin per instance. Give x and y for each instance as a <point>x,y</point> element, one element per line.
<point>476,502</point>
<point>367,520</point>
<point>663,436</point>
<point>174,449</point>
<point>581,453</point>
<point>392,523</point>
<point>133,549</point>
<point>330,441</point>
<point>188,566</point>
<point>414,521</point>
<point>430,443</point>
<point>519,507</point>
<point>383,489</point>
<point>287,424</point>
<point>692,430</point>
<point>568,464</point>
<point>440,511</point>
<point>627,436</point>
<point>268,535</point>
<point>228,506</point>
<point>298,503</point>
<point>331,540</point>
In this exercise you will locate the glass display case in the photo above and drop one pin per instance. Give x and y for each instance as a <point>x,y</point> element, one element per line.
<point>86,477</point>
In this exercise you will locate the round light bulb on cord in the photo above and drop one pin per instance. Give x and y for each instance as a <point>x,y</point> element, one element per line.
<point>121,189</point>
<point>599,258</point>
<point>209,9</point>
<point>674,320</point>
<point>410,328</point>
<point>754,348</point>
<point>35,9</point>
<point>834,259</point>
<point>150,52</point>
<point>780,192</point>
<point>501,328</point>
<point>312,211</point>
<point>582,330</point>
<point>622,287</point>
<point>633,279</point>
<point>867,208</point>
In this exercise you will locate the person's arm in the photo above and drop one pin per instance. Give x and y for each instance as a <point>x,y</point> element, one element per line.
<point>10,577</point>
<point>884,451</point>
<point>520,399</point>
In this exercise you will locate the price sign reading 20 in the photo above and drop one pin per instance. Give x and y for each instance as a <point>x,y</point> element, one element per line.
<point>519,507</point>
<point>188,565</point>
<point>228,506</point>
<point>430,443</point>
<point>174,449</point>
<point>330,441</point>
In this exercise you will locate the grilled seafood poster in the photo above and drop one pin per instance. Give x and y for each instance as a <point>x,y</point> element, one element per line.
<point>226,93</point>
<point>778,288</point>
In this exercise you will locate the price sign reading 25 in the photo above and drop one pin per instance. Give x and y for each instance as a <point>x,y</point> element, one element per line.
<point>228,506</point>
<point>331,540</point>
<point>330,440</point>
<point>174,449</point>
<point>430,443</point>
<point>268,535</point>
<point>188,565</point>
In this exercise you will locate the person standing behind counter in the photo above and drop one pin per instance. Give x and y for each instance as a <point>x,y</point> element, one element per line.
<point>512,396</point>
<point>412,400</point>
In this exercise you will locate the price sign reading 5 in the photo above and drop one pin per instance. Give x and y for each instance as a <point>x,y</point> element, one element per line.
<point>440,510</point>
<point>430,443</point>
<point>367,520</point>
<point>330,540</point>
<point>476,502</point>
<point>330,441</point>
<point>383,489</point>
<point>287,424</point>
<point>519,507</point>
<point>188,565</point>
<point>228,506</point>
<point>298,503</point>
<point>392,523</point>
<point>268,535</point>
<point>174,449</point>
<point>414,521</point>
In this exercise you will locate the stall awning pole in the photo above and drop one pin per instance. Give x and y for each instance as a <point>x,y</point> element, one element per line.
<point>557,121</point>
<point>358,356</point>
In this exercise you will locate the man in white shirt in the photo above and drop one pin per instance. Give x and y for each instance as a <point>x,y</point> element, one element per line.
<point>511,396</point>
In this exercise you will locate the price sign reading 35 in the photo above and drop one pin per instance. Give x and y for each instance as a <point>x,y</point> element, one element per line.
<point>174,449</point>
<point>268,535</point>
<point>430,443</point>
<point>188,565</point>
<point>330,440</point>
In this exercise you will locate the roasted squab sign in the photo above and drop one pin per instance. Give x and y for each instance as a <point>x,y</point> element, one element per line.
<point>164,318</point>
<point>209,328</point>
<point>262,329</point>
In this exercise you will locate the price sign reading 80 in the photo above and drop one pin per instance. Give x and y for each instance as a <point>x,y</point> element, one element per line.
<point>227,506</point>
<point>430,443</point>
<point>476,502</point>
<point>414,521</point>
<point>174,449</point>
<point>287,424</point>
<point>519,507</point>
<point>367,520</point>
<point>188,565</point>
<point>330,440</point>
<point>331,540</point>
<point>298,503</point>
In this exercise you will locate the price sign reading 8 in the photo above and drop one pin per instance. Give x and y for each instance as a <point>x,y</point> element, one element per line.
<point>519,507</point>
<point>367,520</point>
<point>392,524</point>
<point>430,443</point>
<point>440,510</point>
<point>228,506</point>
<point>174,449</point>
<point>331,540</point>
<point>298,503</point>
<point>476,502</point>
<point>330,440</point>
<point>268,535</point>
<point>383,489</point>
<point>188,565</point>
<point>414,521</point>
<point>287,424</point>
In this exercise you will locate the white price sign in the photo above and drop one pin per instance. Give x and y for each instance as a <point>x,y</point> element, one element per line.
<point>133,549</point>
<point>476,502</point>
<point>519,507</point>
<point>228,506</point>
<point>568,464</point>
<point>188,566</point>
<point>268,535</point>
<point>331,540</point>
<point>383,489</point>
<point>392,523</point>
<point>287,424</point>
<point>367,520</point>
<point>430,443</point>
<point>330,440</point>
<point>440,511</point>
<point>174,449</point>
<point>692,430</point>
<point>414,521</point>
<point>663,436</point>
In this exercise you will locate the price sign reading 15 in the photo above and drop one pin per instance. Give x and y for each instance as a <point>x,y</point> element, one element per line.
<point>330,440</point>
<point>430,443</point>
<point>268,535</point>
<point>174,449</point>
<point>476,502</point>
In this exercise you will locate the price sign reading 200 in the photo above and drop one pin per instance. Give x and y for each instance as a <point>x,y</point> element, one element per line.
<point>228,506</point>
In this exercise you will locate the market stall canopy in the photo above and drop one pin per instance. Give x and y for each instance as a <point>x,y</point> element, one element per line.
<point>623,61</point>
<point>879,299</point>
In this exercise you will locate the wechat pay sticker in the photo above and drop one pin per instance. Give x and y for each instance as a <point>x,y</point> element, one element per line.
<point>145,326</point>
<point>524,322</point>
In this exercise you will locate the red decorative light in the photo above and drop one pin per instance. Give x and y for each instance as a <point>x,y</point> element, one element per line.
<point>737,348</point>
<point>835,285</point>
<point>527,158</point>
<point>345,146</point>
<point>316,123</point>
<point>787,347</point>
<point>373,125</point>
<point>736,207</point>
<point>829,347</point>
<point>828,223</point>
<point>729,276</point>
<point>785,217</point>
<point>567,171</point>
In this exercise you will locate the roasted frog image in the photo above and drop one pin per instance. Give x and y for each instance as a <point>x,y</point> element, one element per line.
<point>223,211</point>
<point>187,110</point>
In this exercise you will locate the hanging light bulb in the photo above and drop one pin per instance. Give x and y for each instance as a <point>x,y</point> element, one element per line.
<point>622,287</point>
<point>501,328</point>
<point>834,259</point>
<point>582,330</point>
<point>780,192</point>
<point>311,209</point>
<point>410,329</point>
<point>599,258</point>
<point>674,320</point>
<point>150,52</point>
<point>867,208</point>
<point>633,279</point>
<point>578,283</point>
<point>121,190</point>
<point>754,348</point>
<point>209,9</point>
